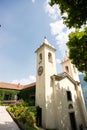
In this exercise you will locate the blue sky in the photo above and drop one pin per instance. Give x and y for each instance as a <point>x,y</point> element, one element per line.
<point>24,23</point>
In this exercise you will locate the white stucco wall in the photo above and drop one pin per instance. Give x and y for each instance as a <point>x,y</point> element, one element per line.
<point>51,94</point>
<point>72,69</point>
<point>44,89</point>
<point>62,104</point>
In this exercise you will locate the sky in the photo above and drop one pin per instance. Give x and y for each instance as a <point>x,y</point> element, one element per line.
<point>24,24</point>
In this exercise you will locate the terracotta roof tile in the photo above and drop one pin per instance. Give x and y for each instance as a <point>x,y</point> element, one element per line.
<point>16,86</point>
<point>10,86</point>
<point>29,85</point>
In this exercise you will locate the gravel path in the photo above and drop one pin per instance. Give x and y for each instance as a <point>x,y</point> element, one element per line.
<point>6,122</point>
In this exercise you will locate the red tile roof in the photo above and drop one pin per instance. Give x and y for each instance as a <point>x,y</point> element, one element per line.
<point>16,86</point>
<point>29,85</point>
<point>10,86</point>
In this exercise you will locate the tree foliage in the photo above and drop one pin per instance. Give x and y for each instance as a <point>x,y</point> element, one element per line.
<point>75,9</point>
<point>77,45</point>
<point>28,95</point>
<point>11,94</point>
<point>76,17</point>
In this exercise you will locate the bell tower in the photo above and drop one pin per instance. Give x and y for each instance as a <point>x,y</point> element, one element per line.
<point>45,68</point>
<point>69,68</point>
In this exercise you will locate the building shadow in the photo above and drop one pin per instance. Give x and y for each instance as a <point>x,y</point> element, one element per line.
<point>8,125</point>
<point>64,108</point>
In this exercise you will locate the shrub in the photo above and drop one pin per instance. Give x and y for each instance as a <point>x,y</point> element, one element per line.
<point>23,114</point>
<point>32,109</point>
<point>30,119</point>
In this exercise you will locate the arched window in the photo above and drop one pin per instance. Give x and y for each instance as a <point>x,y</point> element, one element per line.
<point>67,69</point>
<point>40,56</point>
<point>70,106</point>
<point>49,57</point>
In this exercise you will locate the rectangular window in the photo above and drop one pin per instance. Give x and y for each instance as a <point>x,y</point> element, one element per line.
<point>69,96</point>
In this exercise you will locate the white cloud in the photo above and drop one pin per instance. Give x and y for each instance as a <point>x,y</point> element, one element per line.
<point>33,1</point>
<point>24,81</point>
<point>53,12</point>
<point>58,29</point>
<point>58,61</point>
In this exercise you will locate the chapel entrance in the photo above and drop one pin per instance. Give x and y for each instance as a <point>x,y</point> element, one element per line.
<point>72,121</point>
<point>39,116</point>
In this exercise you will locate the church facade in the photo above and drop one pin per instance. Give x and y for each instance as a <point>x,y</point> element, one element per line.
<point>58,95</point>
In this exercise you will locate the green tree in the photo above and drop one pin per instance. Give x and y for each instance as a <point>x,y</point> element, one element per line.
<point>28,95</point>
<point>77,45</point>
<point>76,17</point>
<point>75,9</point>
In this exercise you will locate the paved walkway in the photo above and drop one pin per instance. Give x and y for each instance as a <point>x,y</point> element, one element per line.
<point>6,122</point>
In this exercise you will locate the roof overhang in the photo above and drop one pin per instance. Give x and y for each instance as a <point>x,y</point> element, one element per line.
<point>64,75</point>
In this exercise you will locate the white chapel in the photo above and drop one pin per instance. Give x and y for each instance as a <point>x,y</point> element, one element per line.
<point>58,95</point>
